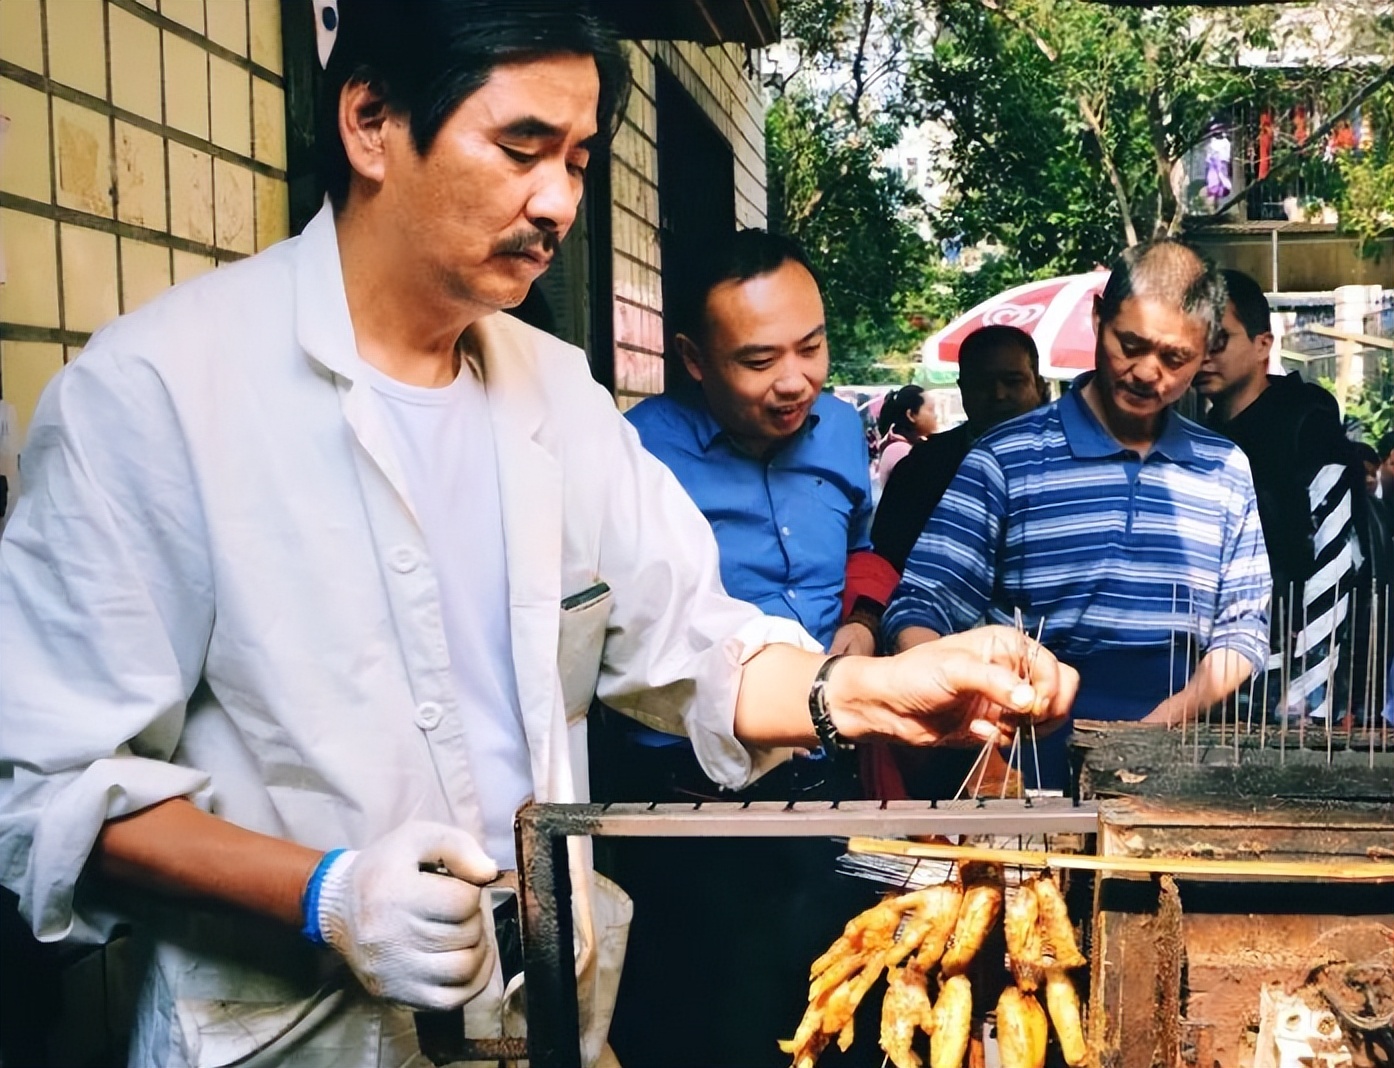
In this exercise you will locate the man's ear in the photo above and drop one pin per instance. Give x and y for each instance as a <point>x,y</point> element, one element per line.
<point>1264,343</point>
<point>363,118</point>
<point>691,355</point>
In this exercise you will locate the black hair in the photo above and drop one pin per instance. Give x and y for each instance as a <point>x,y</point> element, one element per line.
<point>1385,446</point>
<point>899,407</point>
<point>1250,305</point>
<point>1169,270</point>
<point>987,339</point>
<point>1365,452</point>
<point>426,56</point>
<point>743,255</point>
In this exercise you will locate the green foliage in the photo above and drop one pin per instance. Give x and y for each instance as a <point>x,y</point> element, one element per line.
<point>1372,407</point>
<point>1068,119</point>
<point>950,291</point>
<point>825,132</point>
<point>1366,198</point>
<point>1066,123</point>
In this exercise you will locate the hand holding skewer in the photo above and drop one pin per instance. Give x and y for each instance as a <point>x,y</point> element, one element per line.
<point>963,689</point>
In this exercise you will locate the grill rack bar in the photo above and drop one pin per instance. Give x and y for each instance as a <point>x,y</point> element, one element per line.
<point>542,830</point>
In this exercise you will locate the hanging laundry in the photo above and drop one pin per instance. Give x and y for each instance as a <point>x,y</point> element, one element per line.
<point>1265,143</point>
<point>1218,154</point>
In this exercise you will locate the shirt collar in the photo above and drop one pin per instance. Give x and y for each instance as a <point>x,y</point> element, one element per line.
<point>1090,440</point>
<point>708,431</point>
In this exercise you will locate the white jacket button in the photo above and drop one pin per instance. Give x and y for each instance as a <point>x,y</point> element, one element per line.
<point>404,559</point>
<point>428,715</point>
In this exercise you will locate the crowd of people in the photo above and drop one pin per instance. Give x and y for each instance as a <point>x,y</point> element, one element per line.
<point>322,560</point>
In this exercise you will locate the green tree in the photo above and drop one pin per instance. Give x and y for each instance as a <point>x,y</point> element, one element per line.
<point>1070,119</point>
<point>837,105</point>
<point>851,215</point>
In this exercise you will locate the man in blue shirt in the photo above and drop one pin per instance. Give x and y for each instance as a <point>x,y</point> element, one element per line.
<point>781,472</point>
<point>1131,531</point>
<point>779,468</point>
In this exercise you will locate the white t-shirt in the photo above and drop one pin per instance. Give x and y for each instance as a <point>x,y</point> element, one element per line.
<point>445,445</point>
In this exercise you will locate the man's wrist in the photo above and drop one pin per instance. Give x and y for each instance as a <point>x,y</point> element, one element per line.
<point>867,612</point>
<point>845,695</point>
<point>829,736</point>
<point>324,893</point>
<point>915,634</point>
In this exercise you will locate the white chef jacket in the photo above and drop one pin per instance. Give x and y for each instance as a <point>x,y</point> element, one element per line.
<point>214,587</point>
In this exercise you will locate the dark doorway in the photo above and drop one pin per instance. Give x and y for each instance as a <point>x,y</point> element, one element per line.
<point>696,203</point>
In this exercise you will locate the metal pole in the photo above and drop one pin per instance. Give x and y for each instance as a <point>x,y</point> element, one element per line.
<point>554,1025</point>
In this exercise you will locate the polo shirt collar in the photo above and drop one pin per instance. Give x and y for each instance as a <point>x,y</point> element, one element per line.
<point>1089,440</point>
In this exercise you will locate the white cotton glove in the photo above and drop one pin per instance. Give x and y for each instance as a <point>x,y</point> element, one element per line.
<point>410,936</point>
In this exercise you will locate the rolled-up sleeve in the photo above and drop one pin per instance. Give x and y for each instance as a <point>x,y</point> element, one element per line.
<point>948,578</point>
<point>677,643</point>
<point>1245,590</point>
<point>105,616</point>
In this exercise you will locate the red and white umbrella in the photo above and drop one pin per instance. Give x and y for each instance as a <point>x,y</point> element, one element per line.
<point>1057,313</point>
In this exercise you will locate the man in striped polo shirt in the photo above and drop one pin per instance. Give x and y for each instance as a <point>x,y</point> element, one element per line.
<point>1133,533</point>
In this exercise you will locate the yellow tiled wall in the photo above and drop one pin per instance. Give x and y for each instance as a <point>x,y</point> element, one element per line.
<point>718,80</point>
<point>146,145</point>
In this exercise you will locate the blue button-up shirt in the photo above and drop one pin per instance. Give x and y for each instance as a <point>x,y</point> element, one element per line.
<point>1117,552</point>
<point>784,525</point>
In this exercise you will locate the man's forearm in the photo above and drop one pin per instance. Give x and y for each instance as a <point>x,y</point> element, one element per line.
<point>177,848</point>
<point>772,705</point>
<point>913,636</point>
<point>1219,673</point>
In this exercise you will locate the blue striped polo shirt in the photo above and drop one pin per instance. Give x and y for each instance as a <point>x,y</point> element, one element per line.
<point>1119,553</point>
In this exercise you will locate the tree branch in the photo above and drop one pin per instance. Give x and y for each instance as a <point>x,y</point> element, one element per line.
<point>1120,191</point>
<point>858,63</point>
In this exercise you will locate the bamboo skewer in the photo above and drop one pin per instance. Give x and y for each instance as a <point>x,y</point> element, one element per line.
<point>1346,871</point>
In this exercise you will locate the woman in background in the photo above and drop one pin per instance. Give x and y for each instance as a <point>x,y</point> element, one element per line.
<point>905,419</point>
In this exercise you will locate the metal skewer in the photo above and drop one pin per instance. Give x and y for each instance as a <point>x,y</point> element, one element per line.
<point>1330,694</point>
<point>1171,660</point>
<point>1248,718</point>
<point>1384,676</point>
<point>1350,684</point>
<point>1288,650</point>
<point>1031,670</point>
<point>1306,693</point>
<point>1186,697</point>
<point>1195,729</point>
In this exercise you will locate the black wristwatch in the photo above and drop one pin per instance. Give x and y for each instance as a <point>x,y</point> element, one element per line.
<point>831,741</point>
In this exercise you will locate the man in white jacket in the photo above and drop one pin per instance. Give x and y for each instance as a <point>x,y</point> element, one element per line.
<point>321,559</point>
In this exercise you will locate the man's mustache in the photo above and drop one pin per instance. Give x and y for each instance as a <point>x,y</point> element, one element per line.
<point>1141,394</point>
<point>527,241</point>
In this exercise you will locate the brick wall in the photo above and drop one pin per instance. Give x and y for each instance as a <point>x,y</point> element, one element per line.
<point>146,144</point>
<point>718,80</point>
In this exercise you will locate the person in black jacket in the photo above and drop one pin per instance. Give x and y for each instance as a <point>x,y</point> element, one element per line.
<point>1311,502</point>
<point>998,379</point>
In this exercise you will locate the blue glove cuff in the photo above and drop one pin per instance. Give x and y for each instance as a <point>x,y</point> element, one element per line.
<point>309,900</point>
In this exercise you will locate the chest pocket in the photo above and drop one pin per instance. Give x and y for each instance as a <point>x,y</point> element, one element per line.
<point>581,642</point>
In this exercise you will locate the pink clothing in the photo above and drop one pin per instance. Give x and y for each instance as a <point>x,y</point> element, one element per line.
<point>892,452</point>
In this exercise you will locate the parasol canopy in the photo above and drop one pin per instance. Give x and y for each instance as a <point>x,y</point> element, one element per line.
<point>1056,312</point>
